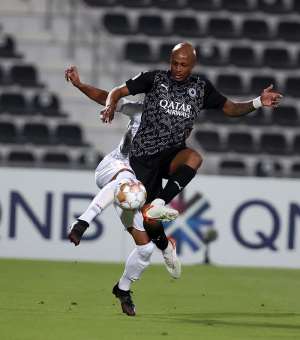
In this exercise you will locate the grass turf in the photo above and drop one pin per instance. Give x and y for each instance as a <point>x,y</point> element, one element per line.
<point>42,300</point>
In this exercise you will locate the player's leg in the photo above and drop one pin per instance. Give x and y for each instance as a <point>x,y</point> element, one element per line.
<point>182,169</point>
<point>157,234</point>
<point>147,170</point>
<point>104,198</point>
<point>137,261</point>
<point>167,245</point>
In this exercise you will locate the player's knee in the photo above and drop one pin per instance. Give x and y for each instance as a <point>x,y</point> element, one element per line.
<point>195,160</point>
<point>146,251</point>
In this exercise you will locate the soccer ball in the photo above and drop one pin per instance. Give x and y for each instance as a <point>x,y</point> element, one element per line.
<point>130,194</point>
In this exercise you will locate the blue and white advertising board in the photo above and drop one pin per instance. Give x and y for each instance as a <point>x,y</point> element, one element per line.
<point>257,219</point>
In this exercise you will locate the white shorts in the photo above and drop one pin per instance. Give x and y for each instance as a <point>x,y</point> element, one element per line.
<point>130,218</point>
<point>105,171</point>
<point>108,168</point>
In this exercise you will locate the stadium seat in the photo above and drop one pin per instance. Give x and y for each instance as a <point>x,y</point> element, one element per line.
<point>292,86</point>
<point>203,5</point>
<point>243,56</point>
<point>209,140</point>
<point>56,159</point>
<point>297,65</point>
<point>260,82</point>
<point>88,161</point>
<point>257,118</point>
<point>14,103</point>
<point>36,133</point>
<point>256,29</point>
<point>24,75</point>
<point>232,167</point>
<point>99,3</point>
<point>117,23</point>
<point>241,142</point>
<point>230,84</point>
<point>152,25</point>
<point>167,4</point>
<point>165,52</point>
<point>277,57</point>
<point>289,31</point>
<point>2,76</point>
<point>273,6</point>
<point>273,143</point>
<point>186,26</point>
<point>8,133</point>
<point>69,135</point>
<point>296,6</point>
<point>285,116</point>
<point>221,28</point>
<point>138,52</point>
<point>210,55</point>
<point>296,145</point>
<point>23,157</point>
<point>7,46</point>
<point>236,5</point>
<point>134,3</point>
<point>47,104</point>
<point>267,168</point>
<point>295,170</point>
<point>215,116</point>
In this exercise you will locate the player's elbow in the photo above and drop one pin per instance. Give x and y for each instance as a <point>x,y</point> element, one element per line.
<point>229,108</point>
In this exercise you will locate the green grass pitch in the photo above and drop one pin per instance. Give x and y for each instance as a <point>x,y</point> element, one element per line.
<point>42,300</point>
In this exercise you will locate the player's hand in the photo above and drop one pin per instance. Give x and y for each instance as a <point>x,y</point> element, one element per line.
<point>270,98</point>
<point>72,75</point>
<point>108,113</point>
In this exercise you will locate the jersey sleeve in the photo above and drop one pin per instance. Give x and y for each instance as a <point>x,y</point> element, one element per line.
<point>141,83</point>
<point>212,98</point>
<point>129,108</point>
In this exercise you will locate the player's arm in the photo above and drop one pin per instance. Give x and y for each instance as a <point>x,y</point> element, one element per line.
<point>98,95</point>
<point>107,114</point>
<point>142,83</point>
<point>268,97</point>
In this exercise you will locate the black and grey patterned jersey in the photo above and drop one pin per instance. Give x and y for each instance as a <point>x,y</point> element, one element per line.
<point>170,109</point>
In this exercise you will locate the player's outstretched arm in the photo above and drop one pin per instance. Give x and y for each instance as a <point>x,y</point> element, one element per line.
<point>98,95</point>
<point>268,97</point>
<point>107,114</point>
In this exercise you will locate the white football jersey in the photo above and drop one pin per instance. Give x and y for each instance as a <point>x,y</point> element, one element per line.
<point>133,111</point>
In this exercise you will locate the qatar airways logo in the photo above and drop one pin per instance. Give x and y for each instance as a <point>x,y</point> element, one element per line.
<point>176,108</point>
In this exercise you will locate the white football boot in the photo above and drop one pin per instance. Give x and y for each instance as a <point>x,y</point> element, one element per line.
<point>160,212</point>
<point>172,261</point>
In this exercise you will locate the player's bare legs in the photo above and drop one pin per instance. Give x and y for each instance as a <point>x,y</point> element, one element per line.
<point>187,157</point>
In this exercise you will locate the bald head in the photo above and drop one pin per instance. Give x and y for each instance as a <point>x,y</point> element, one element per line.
<point>185,49</point>
<point>183,59</point>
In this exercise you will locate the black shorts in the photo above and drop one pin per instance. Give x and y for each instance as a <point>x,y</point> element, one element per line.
<point>151,170</point>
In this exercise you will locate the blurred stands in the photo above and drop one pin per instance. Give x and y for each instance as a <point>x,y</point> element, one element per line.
<point>243,47</point>
<point>34,131</point>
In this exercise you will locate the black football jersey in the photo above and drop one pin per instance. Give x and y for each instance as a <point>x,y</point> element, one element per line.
<point>170,109</point>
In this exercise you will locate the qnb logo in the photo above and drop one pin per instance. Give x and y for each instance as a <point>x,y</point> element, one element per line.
<point>257,224</point>
<point>189,228</point>
<point>176,108</point>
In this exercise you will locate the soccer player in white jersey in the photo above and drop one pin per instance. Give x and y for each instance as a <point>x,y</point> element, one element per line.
<point>113,168</point>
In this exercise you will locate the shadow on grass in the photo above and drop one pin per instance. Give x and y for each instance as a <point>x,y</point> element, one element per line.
<point>237,319</point>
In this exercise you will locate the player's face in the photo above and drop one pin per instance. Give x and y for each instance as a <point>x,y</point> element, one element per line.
<point>181,66</point>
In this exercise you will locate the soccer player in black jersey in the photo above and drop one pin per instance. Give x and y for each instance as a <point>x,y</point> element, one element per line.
<point>173,100</point>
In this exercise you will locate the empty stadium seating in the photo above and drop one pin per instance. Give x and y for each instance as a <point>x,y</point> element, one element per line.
<point>243,46</point>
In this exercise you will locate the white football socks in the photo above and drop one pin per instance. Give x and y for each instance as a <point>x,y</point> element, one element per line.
<point>104,197</point>
<point>137,261</point>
